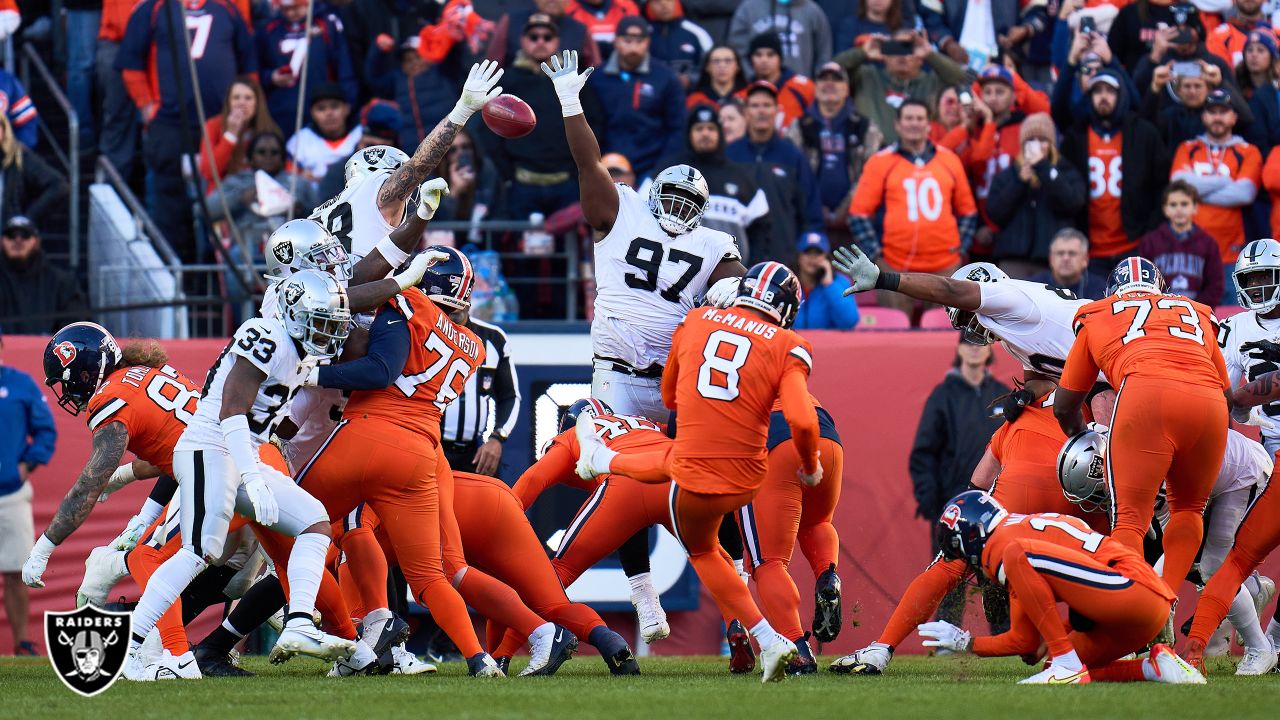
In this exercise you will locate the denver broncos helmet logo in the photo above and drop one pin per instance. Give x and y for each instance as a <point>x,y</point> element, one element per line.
<point>66,352</point>
<point>950,516</point>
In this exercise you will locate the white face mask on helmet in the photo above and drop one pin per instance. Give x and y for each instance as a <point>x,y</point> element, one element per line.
<point>315,311</point>
<point>370,160</point>
<point>677,199</point>
<point>1258,258</point>
<point>305,245</point>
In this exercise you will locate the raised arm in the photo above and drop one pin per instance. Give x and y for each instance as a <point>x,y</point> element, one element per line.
<point>109,443</point>
<point>959,294</point>
<point>481,87</point>
<point>599,198</point>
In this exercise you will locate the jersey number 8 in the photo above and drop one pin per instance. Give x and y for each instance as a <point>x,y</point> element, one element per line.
<point>722,358</point>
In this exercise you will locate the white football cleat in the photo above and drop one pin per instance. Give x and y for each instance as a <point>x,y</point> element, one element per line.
<point>1054,675</point>
<point>651,616</point>
<point>1257,661</point>
<point>1172,669</point>
<point>364,661</point>
<point>775,657</point>
<point>300,637</point>
<point>151,648</point>
<point>409,664</point>
<point>550,646</point>
<point>1266,591</point>
<point>593,456</point>
<point>134,668</point>
<point>870,660</point>
<point>104,567</point>
<point>168,667</point>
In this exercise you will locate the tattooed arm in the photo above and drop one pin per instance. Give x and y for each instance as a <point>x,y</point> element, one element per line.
<point>1259,392</point>
<point>396,189</point>
<point>109,443</point>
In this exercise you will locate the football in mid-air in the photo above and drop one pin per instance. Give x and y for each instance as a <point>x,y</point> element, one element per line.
<point>509,116</point>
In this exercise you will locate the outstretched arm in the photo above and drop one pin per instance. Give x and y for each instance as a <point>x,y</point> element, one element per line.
<point>599,198</point>
<point>481,87</point>
<point>865,275</point>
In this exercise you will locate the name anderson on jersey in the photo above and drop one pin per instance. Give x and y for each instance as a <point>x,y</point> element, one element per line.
<point>464,341</point>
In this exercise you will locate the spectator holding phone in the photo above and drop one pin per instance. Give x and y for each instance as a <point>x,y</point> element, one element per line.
<point>1177,95</point>
<point>1181,42</point>
<point>1143,26</point>
<point>824,306</point>
<point>1186,255</point>
<point>1225,170</point>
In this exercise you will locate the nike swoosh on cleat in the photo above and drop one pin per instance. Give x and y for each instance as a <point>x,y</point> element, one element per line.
<point>559,636</point>
<point>183,665</point>
<point>393,322</point>
<point>1066,680</point>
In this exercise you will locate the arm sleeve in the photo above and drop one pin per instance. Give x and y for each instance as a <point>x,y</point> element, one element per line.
<point>382,363</point>
<point>164,490</point>
<point>222,152</point>
<point>1080,372</point>
<point>554,468</point>
<point>41,429</point>
<point>802,418</point>
<point>506,394</point>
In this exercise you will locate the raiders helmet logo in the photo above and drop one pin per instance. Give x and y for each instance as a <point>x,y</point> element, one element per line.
<point>283,252</point>
<point>66,352</point>
<point>979,274</point>
<point>292,294</point>
<point>87,647</point>
<point>374,156</point>
<point>951,516</point>
<point>1095,468</point>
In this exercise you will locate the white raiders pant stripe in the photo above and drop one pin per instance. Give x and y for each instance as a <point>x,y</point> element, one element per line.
<point>211,491</point>
<point>1110,474</point>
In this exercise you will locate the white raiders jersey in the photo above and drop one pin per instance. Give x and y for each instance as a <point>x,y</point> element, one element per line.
<point>647,280</point>
<point>1032,320</point>
<point>1247,366</point>
<point>353,216</point>
<point>266,345</point>
<point>1244,464</point>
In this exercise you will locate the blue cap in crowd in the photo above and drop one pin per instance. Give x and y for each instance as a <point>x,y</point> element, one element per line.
<point>995,73</point>
<point>1218,98</point>
<point>813,241</point>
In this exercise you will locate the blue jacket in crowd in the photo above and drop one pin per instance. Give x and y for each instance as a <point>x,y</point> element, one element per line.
<point>826,308</point>
<point>28,434</point>
<point>789,164</point>
<point>644,112</point>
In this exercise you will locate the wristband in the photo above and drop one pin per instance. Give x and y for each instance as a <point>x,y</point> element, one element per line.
<point>888,281</point>
<point>123,475</point>
<point>570,107</point>
<point>394,256</point>
<point>460,114</point>
<point>44,546</point>
<point>235,431</point>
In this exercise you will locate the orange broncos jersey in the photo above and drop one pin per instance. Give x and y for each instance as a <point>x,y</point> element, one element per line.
<point>155,405</point>
<point>1240,161</point>
<point>442,355</point>
<point>722,378</point>
<point>556,466</point>
<point>1043,536</point>
<point>1144,335</point>
<point>1031,442</point>
<point>1106,178</point>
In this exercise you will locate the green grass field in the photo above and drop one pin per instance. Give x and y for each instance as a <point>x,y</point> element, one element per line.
<point>940,688</point>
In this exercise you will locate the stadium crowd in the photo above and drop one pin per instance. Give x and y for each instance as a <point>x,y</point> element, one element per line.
<point>1015,123</point>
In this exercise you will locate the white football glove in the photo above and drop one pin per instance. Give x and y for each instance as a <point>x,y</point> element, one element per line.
<point>34,567</point>
<point>429,197</point>
<point>1098,428</point>
<point>563,72</point>
<point>944,635</point>
<point>412,275</point>
<point>128,539</point>
<point>481,87</point>
<point>1258,419</point>
<point>723,292</point>
<point>810,480</point>
<point>861,271</point>
<point>122,476</point>
<point>265,509</point>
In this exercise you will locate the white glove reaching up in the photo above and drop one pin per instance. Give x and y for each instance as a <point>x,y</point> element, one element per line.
<point>128,539</point>
<point>481,87</point>
<point>34,567</point>
<point>861,271</point>
<point>944,635</point>
<point>723,292</point>
<point>563,72</point>
<point>412,275</point>
<point>265,509</point>
<point>429,196</point>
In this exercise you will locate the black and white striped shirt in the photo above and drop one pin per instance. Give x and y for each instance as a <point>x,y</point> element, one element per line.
<point>468,419</point>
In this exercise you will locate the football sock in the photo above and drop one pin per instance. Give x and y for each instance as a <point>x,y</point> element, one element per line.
<point>1068,661</point>
<point>367,565</point>
<point>779,598</point>
<point>821,546</point>
<point>1273,632</point>
<point>608,642</point>
<point>1251,584</point>
<point>641,584</point>
<point>1121,671</point>
<point>493,599</point>
<point>163,589</point>
<point>1244,618</point>
<point>633,555</point>
<point>260,601</point>
<point>306,565</point>
<point>764,633</point>
<point>1182,538</point>
<point>205,591</point>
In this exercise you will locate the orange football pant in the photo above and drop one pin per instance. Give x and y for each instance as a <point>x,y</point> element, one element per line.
<point>783,511</point>
<point>393,469</point>
<point>1165,432</point>
<point>1258,535</point>
<point>363,573</point>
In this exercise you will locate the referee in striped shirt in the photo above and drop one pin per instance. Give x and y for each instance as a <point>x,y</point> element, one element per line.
<point>491,399</point>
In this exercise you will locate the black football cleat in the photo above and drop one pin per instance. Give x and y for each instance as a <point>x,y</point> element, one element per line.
<point>214,663</point>
<point>623,662</point>
<point>804,662</point>
<point>826,606</point>
<point>504,663</point>
<point>392,633</point>
<point>742,657</point>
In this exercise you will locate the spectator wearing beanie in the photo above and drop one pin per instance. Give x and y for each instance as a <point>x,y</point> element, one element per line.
<point>642,99</point>
<point>795,91</point>
<point>678,42</point>
<point>1256,76</point>
<point>803,23</point>
<point>1186,255</point>
<point>328,138</point>
<point>1032,199</point>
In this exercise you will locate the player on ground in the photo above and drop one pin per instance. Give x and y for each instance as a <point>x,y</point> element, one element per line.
<point>1046,559</point>
<point>218,468</point>
<point>1258,536</point>
<point>725,371</point>
<point>1020,470</point>
<point>652,263</point>
<point>1169,424</point>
